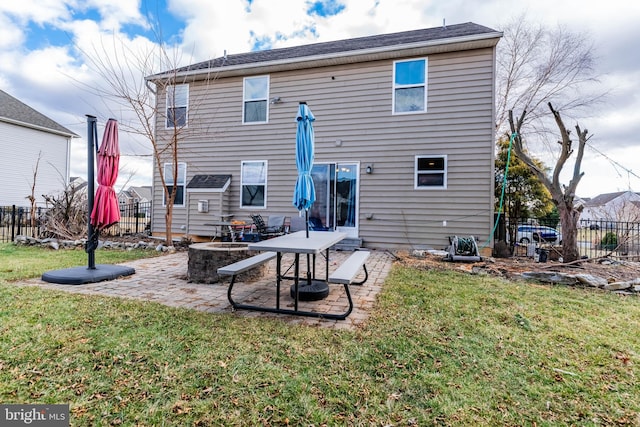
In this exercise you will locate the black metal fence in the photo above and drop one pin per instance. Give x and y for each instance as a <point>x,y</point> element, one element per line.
<point>620,239</point>
<point>135,218</point>
<point>596,238</point>
<point>19,220</point>
<point>15,221</point>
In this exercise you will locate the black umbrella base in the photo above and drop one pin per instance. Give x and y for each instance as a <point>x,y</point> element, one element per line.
<point>317,290</point>
<point>84,275</point>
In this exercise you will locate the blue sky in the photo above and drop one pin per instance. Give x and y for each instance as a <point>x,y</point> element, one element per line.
<point>42,61</point>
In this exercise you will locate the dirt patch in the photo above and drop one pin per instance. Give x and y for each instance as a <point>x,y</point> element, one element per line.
<point>511,268</point>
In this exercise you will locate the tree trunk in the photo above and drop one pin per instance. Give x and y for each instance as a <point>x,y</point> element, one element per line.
<point>168,221</point>
<point>569,218</point>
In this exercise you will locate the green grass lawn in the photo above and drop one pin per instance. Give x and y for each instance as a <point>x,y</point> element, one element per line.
<point>20,262</point>
<point>441,347</point>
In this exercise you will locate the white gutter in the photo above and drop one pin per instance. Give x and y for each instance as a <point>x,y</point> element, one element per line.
<point>36,127</point>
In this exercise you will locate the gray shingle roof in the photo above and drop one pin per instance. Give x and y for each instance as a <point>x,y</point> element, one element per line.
<point>14,110</point>
<point>145,192</point>
<point>603,199</point>
<point>349,45</point>
<point>209,181</point>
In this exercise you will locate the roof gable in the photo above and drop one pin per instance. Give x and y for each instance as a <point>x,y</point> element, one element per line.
<point>143,192</point>
<point>14,111</point>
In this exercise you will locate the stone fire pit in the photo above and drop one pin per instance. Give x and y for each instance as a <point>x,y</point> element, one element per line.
<point>206,258</point>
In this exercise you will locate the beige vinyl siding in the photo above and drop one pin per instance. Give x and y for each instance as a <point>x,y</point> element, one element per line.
<point>199,223</point>
<point>353,103</point>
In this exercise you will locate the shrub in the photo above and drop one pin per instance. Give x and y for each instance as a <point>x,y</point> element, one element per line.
<point>610,240</point>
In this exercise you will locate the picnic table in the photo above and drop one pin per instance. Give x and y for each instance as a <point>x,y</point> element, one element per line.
<point>318,243</point>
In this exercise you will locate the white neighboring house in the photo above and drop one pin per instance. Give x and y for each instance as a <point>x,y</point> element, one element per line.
<point>25,135</point>
<point>620,206</point>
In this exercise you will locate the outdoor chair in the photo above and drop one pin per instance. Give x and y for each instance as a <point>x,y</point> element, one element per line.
<point>272,228</point>
<point>298,223</point>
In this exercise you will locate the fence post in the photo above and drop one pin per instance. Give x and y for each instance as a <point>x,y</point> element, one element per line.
<point>38,225</point>
<point>136,215</point>
<point>20,218</point>
<point>13,222</point>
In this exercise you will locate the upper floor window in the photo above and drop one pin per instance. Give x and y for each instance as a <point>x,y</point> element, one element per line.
<point>253,184</point>
<point>256,99</point>
<point>178,186</point>
<point>410,86</point>
<point>177,105</point>
<point>431,172</point>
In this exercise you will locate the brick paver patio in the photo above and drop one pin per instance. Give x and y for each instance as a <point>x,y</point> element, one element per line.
<point>164,280</point>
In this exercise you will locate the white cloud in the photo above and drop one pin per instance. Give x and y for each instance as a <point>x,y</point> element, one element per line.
<point>56,79</point>
<point>39,11</point>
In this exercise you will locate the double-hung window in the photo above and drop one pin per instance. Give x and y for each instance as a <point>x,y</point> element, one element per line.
<point>253,184</point>
<point>410,86</point>
<point>431,172</point>
<point>177,106</point>
<point>178,186</point>
<point>255,107</point>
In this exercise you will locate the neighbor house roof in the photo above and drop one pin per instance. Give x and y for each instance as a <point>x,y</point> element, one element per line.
<point>143,192</point>
<point>603,199</point>
<point>14,111</point>
<point>424,41</point>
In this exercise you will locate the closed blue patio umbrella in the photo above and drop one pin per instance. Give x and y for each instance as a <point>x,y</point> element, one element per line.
<point>304,194</point>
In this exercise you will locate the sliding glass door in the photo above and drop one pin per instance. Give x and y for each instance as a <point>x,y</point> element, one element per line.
<point>336,206</point>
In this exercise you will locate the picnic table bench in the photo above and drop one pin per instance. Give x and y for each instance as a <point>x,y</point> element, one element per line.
<point>348,270</point>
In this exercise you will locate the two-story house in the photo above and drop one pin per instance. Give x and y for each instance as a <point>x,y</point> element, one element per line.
<point>404,135</point>
<point>135,194</point>
<point>35,151</point>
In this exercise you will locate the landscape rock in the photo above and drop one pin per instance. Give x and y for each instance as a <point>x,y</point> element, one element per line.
<point>629,287</point>
<point>617,286</point>
<point>81,243</point>
<point>551,277</point>
<point>591,280</point>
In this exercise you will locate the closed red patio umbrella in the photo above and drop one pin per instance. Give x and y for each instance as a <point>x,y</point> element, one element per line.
<point>106,210</point>
<point>103,210</point>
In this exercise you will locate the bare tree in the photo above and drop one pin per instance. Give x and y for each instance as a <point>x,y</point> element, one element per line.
<point>563,196</point>
<point>123,73</point>
<point>32,196</point>
<point>537,68</point>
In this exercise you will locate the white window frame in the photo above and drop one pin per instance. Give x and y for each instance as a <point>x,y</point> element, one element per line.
<point>396,87</point>
<point>247,98</point>
<point>168,179</point>
<point>418,173</point>
<point>247,179</point>
<point>181,94</point>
